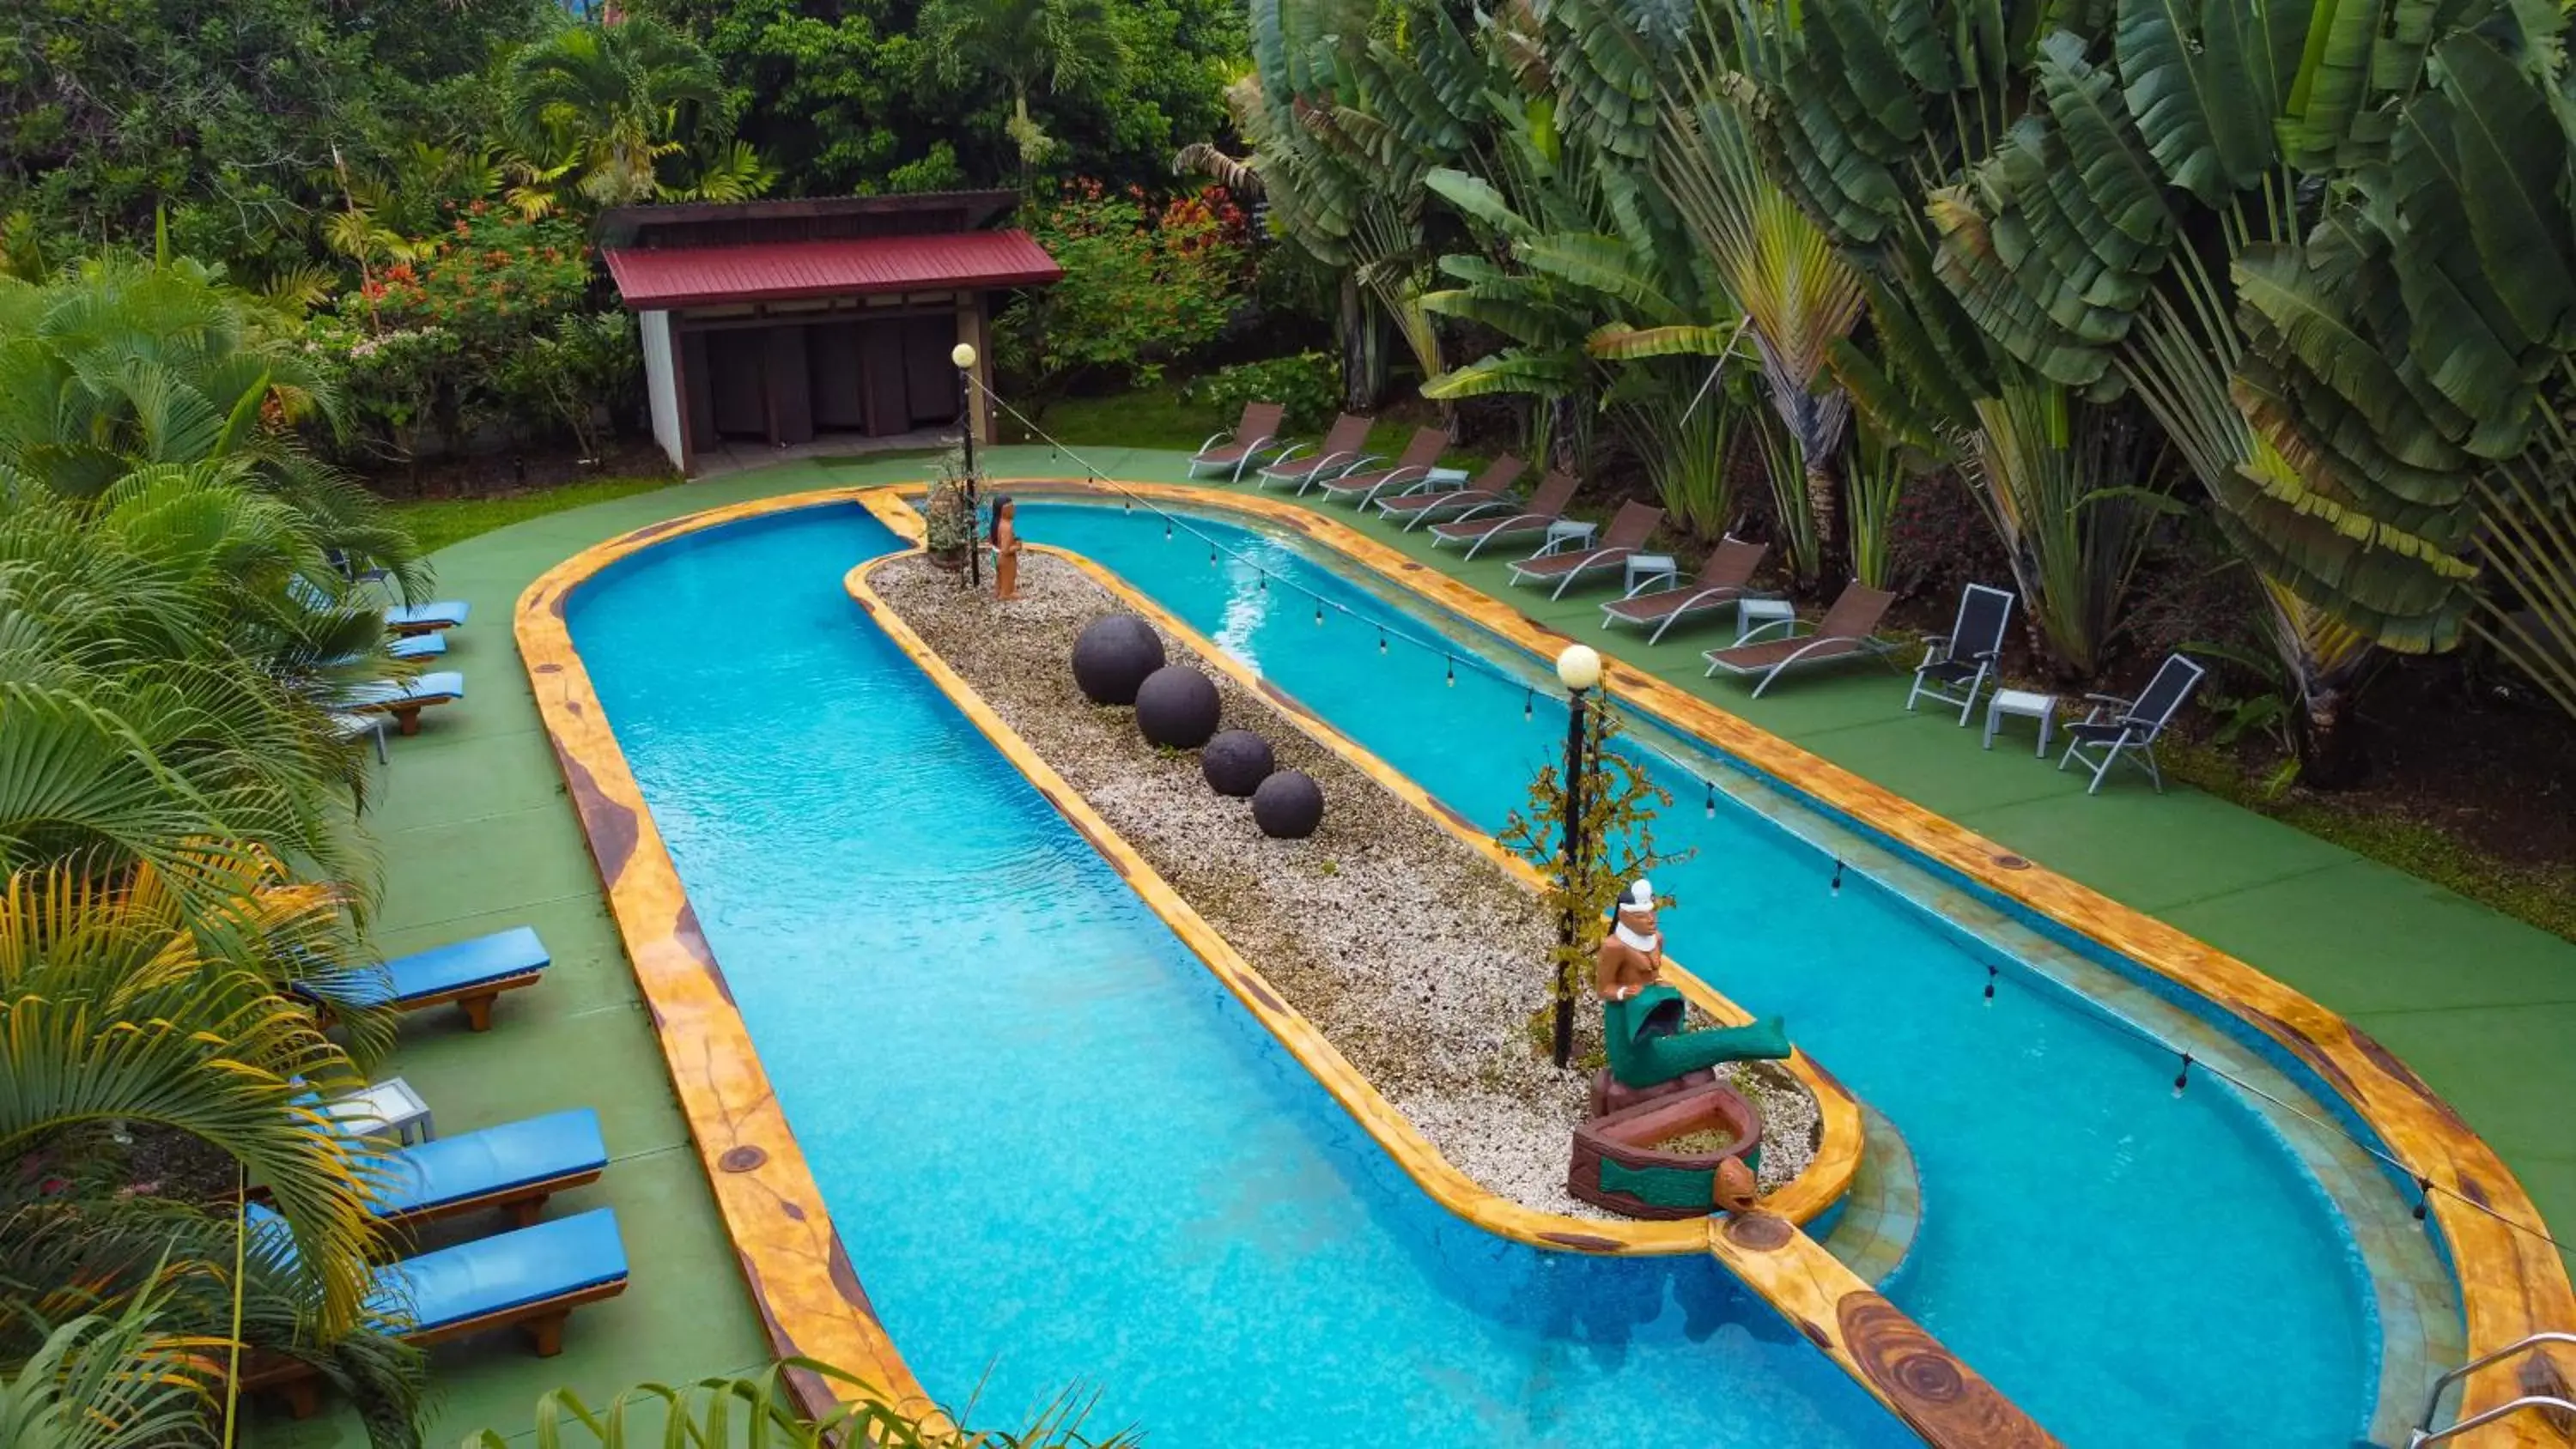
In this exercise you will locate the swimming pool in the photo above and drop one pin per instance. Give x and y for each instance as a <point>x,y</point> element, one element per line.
<point>2130,1267</point>
<point>1056,1148</point>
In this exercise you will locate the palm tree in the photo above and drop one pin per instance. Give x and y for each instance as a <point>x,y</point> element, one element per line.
<point>127,363</point>
<point>102,1381</point>
<point>1060,45</point>
<point>614,100</point>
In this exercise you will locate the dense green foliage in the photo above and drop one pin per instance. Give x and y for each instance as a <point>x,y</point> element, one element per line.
<point>1143,285</point>
<point>861,97</point>
<point>2312,267</point>
<point>178,639</point>
<point>762,1406</point>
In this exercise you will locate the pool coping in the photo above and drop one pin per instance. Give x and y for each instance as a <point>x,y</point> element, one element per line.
<point>793,1260</point>
<point>2511,1283</point>
<point>1891,1356</point>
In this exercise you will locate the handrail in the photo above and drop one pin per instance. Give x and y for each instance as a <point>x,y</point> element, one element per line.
<point>2528,1401</point>
<point>2524,1344</point>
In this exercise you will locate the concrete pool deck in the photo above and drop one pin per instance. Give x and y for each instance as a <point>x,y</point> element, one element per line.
<point>477,834</point>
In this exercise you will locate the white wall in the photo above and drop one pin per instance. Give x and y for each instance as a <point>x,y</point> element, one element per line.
<point>661,384</point>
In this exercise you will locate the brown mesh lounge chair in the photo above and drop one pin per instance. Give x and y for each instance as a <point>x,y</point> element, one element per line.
<point>1412,470</point>
<point>1491,490</point>
<point>1562,566</point>
<point>1338,454</point>
<point>1843,633</point>
<point>1257,433</point>
<point>1720,584</point>
<point>1510,519</point>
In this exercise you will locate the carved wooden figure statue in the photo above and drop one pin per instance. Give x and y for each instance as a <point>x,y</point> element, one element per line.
<point>1631,957</point>
<point>1006,551</point>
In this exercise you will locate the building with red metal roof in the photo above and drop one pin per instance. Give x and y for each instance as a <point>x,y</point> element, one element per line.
<point>782,321</point>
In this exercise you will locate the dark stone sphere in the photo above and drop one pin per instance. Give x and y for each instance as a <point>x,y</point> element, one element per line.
<point>1177,706</point>
<point>1113,656</point>
<point>1288,806</point>
<point>1236,762</point>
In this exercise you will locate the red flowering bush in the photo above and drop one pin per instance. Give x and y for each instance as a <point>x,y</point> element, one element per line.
<point>1144,285</point>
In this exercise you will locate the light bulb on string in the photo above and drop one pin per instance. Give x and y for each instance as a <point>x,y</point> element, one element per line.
<point>1319,613</point>
<point>1529,705</point>
<point>1990,985</point>
<point>1167,530</point>
<point>1711,802</point>
<point>1265,581</point>
<point>1211,555</point>
<point>1835,887</point>
<point>2424,1196</point>
<point>1453,673</point>
<point>1381,639</point>
<point>2182,1078</point>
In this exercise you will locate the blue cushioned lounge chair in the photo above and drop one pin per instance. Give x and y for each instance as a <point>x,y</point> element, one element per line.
<point>528,1278</point>
<point>425,618</point>
<point>418,646</point>
<point>405,701</point>
<point>469,973</point>
<point>515,1167</point>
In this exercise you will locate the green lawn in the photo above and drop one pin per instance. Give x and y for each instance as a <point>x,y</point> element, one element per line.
<point>438,522</point>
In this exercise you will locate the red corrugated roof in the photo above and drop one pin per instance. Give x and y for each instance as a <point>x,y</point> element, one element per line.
<point>655,278</point>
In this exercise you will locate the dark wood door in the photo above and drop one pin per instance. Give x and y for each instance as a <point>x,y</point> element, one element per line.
<point>840,377</point>
<point>881,344</point>
<point>930,379</point>
<point>734,389</point>
<point>791,393</point>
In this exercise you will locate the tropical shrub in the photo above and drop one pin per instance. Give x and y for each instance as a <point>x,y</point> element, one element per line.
<point>1143,287</point>
<point>1306,384</point>
<point>764,1407</point>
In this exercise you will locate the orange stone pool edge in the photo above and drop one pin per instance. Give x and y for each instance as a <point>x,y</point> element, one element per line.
<point>810,1298</point>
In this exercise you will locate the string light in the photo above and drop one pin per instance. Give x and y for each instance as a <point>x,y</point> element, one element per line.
<point>2182,1078</point>
<point>1837,887</point>
<point>1381,638</point>
<point>1529,705</point>
<point>1265,582</point>
<point>1319,614</point>
<point>1453,674</point>
<point>1211,555</point>
<point>2424,1195</point>
<point>1167,528</point>
<point>1990,985</point>
<point>1711,802</point>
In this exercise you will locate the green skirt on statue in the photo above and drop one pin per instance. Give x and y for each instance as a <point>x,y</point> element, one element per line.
<point>1647,1045</point>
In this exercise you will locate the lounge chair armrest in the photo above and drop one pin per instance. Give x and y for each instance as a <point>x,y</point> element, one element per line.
<point>1415,485</point>
<point>1987,656</point>
<point>1788,630</point>
<point>2109,699</point>
<point>1212,440</point>
<point>1653,584</point>
<point>1285,457</point>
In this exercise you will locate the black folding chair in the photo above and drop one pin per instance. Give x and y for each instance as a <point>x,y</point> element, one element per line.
<point>2120,726</point>
<point>1965,658</point>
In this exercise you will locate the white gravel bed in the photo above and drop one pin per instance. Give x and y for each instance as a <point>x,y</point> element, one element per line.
<point>1421,960</point>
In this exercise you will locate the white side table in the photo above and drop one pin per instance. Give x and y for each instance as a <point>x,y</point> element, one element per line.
<point>2022,702</point>
<point>1643,566</point>
<point>1440,480</point>
<point>1751,614</point>
<point>388,1106</point>
<point>1569,531</point>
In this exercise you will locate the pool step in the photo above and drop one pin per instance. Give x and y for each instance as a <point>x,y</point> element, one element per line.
<point>1878,1222</point>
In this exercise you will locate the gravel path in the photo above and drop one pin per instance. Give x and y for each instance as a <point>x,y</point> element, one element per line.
<point>1450,1039</point>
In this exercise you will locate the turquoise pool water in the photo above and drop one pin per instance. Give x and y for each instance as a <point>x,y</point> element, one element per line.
<point>1057,1149</point>
<point>2132,1268</point>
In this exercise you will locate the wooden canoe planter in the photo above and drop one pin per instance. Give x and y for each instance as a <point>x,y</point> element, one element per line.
<point>1621,1164</point>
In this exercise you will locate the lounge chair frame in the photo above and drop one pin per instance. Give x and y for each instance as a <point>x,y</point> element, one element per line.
<point>1412,474</point>
<point>1612,550</point>
<point>1949,657</point>
<point>1814,651</point>
<point>2119,729</point>
<point>1704,597</point>
<point>1252,448</point>
<point>1329,461</point>
<point>1521,515</point>
<point>1491,489</point>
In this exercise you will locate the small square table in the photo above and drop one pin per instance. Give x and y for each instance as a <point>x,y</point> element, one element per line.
<point>388,1106</point>
<point>1440,480</point>
<point>2026,704</point>
<point>1643,566</point>
<point>1751,614</point>
<point>1569,531</point>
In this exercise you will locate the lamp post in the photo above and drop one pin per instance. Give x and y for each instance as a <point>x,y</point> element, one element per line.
<point>963,354</point>
<point>1579,670</point>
